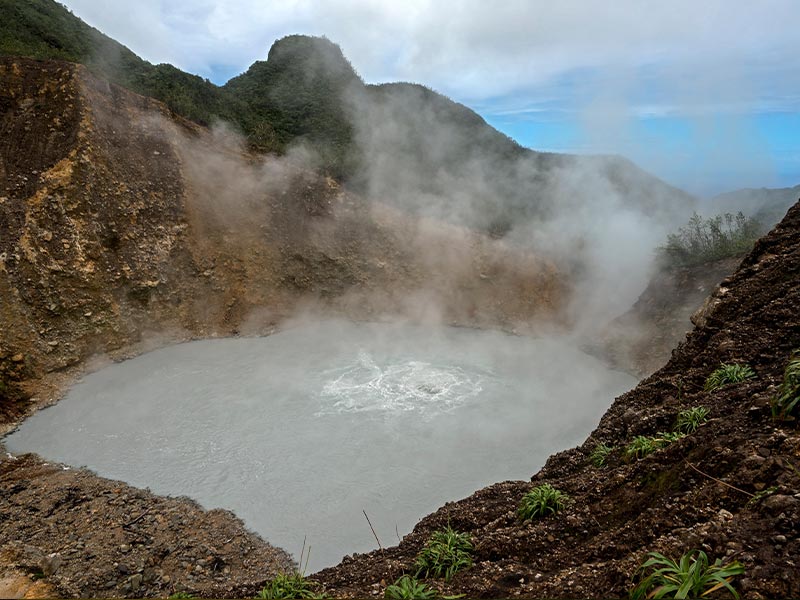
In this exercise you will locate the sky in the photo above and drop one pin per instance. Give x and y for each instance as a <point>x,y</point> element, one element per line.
<point>704,94</point>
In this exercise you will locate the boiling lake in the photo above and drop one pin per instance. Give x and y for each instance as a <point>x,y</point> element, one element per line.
<point>299,432</point>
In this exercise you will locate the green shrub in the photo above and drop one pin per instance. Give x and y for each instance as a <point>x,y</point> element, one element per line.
<point>705,240</point>
<point>444,554</point>
<point>690,577</point>
<point>690,419</point>
<point>728,373</point>
<point>541,501</point>
<point>600,454</point>
<point>408,588</point>
<point>787,402</point>
<point>289,585</point>
<point>642,445</point>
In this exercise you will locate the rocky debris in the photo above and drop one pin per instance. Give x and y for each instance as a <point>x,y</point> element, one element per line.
<point>88,536</point>
<point>732,488</point>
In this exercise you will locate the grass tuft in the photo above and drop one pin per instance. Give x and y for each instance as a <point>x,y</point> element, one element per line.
<point>541,501</point>
<point>409,588</point>
<point>690,419</point>
<point>289,585</point>
<point>444,554</point>
<point>787,402</point>
<point>728,373</point>
<point>642,445</point>
<point>690,577</point>
<point>600,454</point>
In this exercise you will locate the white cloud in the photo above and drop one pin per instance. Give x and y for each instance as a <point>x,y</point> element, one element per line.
<point>470,49</point>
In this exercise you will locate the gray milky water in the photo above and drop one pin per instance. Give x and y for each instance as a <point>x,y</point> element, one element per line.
<point>298,432</point>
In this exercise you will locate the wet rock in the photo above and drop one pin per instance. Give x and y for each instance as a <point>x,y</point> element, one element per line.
<point>51,563</point>
<point>135,582</point>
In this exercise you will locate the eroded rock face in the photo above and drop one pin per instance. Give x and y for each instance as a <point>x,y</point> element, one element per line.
<point>121,224</point>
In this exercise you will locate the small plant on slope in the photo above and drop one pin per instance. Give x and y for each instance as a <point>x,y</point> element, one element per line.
<point>444,554</point>
<point>690,577</point>
<point>643,445</point>
<point>600,454</point>
<point>408,588</point>
<point>787,402</point>
<point>728,373</point>
<point>541,501</point>
<point>289,585</point>
<point>691,418</point>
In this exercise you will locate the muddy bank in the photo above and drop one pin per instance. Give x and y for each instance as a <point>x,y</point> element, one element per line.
<point>89,536</point>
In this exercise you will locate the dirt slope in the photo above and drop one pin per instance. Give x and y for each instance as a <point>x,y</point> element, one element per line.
<point>620,512</point>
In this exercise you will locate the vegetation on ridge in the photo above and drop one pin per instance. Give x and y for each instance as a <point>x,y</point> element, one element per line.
<point>705,240</point>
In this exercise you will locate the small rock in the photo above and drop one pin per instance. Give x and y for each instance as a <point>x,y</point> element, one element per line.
<point>124,548</point>
<point>17,358</point>
<point>123,568</point>
<point>135,581</point>
<point>781,539</point>
<point>725,515</point>
<point>50,563</point>
<point>779,502</point>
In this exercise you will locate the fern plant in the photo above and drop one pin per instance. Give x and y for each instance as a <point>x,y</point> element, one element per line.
<point>690,419</point>
<point>541,501</point>
<point>690,577</point>
<point>409,588</point>
<point>728,373</point>
<point>444,554</point>
<point>787,402</point>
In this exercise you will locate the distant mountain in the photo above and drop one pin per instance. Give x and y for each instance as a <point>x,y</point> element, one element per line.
<point>766,205</point>
<point>400,142</point>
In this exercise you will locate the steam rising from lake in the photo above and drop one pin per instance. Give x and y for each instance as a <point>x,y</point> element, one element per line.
<point>298,432</point>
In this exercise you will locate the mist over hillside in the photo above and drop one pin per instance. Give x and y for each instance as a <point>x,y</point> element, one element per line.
<point>403,145</point>
<point>767,206</point>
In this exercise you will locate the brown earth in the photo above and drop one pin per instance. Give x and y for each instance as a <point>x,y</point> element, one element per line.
<point>88,536</point>
<point>696,493</point>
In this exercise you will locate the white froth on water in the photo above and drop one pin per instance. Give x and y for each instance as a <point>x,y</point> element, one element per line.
<point>422,387</point>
